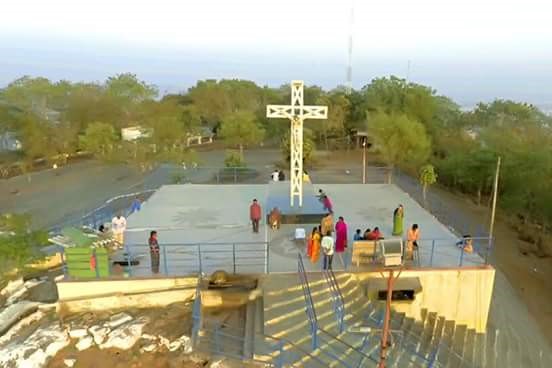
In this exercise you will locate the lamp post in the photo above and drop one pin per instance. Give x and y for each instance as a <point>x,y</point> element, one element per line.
<point>364,161</point>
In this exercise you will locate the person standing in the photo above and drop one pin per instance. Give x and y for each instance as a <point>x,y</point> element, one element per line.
<point>275,176</point>
<point>398,219</point>
<point>136,205</point>
<point>328,246</point>
<point>118,227</point>
<point>412,238</point>
<point>315,250</point>
<point>340,235</point>
<point>154,252</point>
<point>255,215</point>
<point>326,224</point>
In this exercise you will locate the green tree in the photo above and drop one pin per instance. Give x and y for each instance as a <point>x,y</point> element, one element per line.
<point>399,140</point>
<point>338,111</point>
<point>241,129</point>
<point>19,245</point>
<point>99,139</point>
<point>427,177</point>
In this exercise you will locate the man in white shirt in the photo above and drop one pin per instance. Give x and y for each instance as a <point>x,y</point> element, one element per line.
<point>118,227</point>
<point>275,175</point>
<point>328,247</point>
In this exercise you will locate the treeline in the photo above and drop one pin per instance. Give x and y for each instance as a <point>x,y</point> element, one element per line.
<point>409,125</point>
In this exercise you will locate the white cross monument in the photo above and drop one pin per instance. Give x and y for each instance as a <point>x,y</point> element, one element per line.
<point>296,112</point>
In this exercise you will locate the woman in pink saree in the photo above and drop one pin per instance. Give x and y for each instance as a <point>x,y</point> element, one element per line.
<point>340,235</point>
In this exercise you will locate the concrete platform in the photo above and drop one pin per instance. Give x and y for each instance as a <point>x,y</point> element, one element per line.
<point>187,215</point>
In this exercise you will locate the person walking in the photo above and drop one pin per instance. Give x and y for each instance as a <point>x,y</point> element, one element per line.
<point>328,247</point>
<point>398,219</point>
<point>340,235</point>
<point>154,252</point>
<point>255,215</point>
<point>275,176</point>
<point>118,228</point>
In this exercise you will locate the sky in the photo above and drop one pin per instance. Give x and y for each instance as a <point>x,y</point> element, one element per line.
<point>470,50</point>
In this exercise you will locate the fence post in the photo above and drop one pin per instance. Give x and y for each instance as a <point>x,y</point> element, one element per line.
<point>96,263</point>
<point>217,342</point>
<point>199,259</point>
<point>64,264</point>
<point>432,251</point>
<point>266,258</point>
<point>165,264</point>
<point>234,256</point>
<point>235,177</point>
<point>489,248</point>
<point>461,254</point>
<point>129,260</point>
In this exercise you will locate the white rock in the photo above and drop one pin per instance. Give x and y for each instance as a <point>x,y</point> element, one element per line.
<point>148,348</point>
<point>217,364</point>
<point>11,287</point>
<point>36,349</point>
<point>118,320</point>
<point>85,343</point>
<point>59,277</point>
<point>149,337</point>
<point>99,333</point>
<point>124,337</point>
<point>175,345</point>
<point>164,341</point>
<point>69,362</point>
<point>186,343</point>
<point>77,333</point>
<point>36,316</point>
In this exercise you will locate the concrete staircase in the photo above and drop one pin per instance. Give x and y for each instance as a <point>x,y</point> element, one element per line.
<point>416,342</point>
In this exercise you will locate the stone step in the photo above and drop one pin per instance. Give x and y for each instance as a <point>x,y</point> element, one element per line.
<point>291,318</point>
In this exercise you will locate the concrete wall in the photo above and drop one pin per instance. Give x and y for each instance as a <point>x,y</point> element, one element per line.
<point>462,295</point>
<point>78,296</point>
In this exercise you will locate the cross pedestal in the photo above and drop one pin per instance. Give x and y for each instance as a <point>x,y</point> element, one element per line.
<point>296,112</point>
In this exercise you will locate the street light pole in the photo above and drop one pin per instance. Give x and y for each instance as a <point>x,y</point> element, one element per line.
<point>364,161</point>
<point>493,209</point>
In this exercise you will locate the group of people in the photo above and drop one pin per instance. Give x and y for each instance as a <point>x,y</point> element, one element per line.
<point>278,175</point>
<point>374,234</point>
<point>255,214</point>
<point>322,240</point>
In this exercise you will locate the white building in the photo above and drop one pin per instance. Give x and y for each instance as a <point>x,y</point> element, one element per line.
<point>9,142</point>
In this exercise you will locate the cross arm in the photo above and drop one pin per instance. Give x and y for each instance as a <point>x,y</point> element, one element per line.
<point>279,111</point>
<point>315,112</point>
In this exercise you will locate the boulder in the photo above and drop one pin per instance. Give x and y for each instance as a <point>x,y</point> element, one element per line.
<point>148,348</point>
<point>85,343</point>
<point>118,320</point>
<point>69,362</point>
<point>13,313</point>
<point>125,336</point>
<point>77,333</point>
<point>36,349</point>
<point>99,333</point>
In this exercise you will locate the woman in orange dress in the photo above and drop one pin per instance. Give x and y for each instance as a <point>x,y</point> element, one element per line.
<point>315,247</point>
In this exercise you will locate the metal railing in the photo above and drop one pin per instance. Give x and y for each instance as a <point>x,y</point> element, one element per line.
<point>309,304</point>
<point>121,204</point>
<point>451,253</point>
<point>199,258</point>
<point>337,299</point>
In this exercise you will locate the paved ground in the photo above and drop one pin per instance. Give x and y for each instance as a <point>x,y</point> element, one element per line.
<point>189,214</point>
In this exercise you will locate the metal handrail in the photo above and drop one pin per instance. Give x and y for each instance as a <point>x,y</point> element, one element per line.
<point>362,356</point>
<point>309,304</point>
<point>337,299</point>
